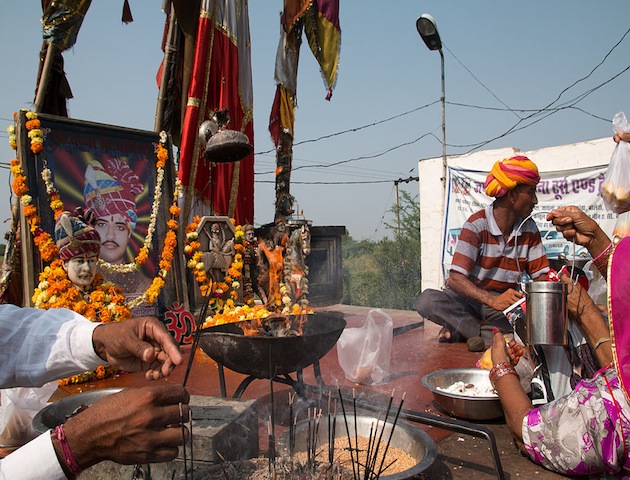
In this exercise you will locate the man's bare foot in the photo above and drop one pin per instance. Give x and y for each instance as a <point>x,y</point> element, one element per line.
<point>445,335</point>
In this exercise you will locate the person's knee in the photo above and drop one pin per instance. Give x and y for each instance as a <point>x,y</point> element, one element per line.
<point>426,301</point>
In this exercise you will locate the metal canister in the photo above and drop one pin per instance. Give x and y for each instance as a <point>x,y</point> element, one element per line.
<point>546,313</point>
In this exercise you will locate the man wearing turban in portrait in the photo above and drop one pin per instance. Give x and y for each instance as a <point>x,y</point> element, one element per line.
<point>484,274</point>
<point>110,191</point>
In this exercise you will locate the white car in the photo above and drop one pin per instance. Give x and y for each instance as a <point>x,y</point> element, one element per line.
<point>554,243</point>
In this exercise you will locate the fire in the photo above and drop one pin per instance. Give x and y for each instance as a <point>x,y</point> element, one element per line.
<point>258,321</point>
<point>275,325</point>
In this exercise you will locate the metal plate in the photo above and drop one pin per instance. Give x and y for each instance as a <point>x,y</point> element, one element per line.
<point>58,412</point>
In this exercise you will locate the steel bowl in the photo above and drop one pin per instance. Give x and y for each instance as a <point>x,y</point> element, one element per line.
<point>463,406</point>
<point>58,412</point>
<point>406,437</point>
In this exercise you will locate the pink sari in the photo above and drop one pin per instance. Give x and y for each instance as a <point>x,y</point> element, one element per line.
<point>587,431</point>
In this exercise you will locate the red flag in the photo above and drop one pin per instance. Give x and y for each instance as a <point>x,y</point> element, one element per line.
<point>220,79</point>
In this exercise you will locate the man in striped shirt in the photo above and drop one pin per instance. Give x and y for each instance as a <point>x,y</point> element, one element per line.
<point>491,253</point>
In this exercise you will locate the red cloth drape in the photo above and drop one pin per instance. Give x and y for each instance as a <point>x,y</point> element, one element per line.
<point>221,79</point>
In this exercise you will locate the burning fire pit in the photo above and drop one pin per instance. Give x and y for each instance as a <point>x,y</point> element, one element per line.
<point>264,355</point>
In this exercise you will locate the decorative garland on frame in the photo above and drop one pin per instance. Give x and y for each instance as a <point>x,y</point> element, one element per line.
<point>161,154</point>
<point>231,282</point>
<point>43,240</point>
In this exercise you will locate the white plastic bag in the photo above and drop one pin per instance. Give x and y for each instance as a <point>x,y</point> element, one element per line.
<point>615,189</point>
<point>364,353</point>
<point>18,407</point>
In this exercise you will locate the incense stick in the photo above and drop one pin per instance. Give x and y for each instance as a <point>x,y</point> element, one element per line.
<point>345,419</point>
<point>200,322</point>
<point>391,433</point>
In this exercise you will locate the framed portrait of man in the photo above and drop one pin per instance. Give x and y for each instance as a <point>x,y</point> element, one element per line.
<point>111,171</point>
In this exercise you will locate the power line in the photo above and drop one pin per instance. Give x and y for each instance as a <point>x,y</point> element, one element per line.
<point>356,129</point>
<point>480,82</point>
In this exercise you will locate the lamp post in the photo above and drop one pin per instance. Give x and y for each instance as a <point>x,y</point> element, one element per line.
<point>428,31</point>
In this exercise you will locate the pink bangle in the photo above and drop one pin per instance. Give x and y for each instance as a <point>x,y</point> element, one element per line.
<point>604,252</point>
<point>501,370</point>
<point>68,457</point>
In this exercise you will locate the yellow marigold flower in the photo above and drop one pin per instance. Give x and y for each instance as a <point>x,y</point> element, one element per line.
<point>31,115</point>
<point>11,129</point>
<point>36,135</point>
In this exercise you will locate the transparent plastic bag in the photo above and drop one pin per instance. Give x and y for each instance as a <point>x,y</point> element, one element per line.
<point>364,353</point>
<point>615,189</point>
<point>18,406</point>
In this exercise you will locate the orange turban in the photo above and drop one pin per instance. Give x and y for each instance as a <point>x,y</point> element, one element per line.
<point>510,172</point>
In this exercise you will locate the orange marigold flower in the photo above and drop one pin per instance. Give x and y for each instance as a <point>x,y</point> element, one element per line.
<point>172,224</point>
<point>30,210</point>
<point>37,147</point>
<point>33,124</point>
<point>175,210</point>
<point>143,254</point>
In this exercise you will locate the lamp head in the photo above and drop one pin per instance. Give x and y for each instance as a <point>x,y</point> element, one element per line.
<point>428,31</point>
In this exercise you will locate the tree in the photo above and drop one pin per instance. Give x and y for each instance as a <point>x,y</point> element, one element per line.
<point>386,274</point>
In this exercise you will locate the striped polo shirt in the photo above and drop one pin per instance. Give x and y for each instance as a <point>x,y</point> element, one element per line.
<point>489,261</point>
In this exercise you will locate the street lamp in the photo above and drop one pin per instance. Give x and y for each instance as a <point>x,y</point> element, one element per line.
<point>428,31</point>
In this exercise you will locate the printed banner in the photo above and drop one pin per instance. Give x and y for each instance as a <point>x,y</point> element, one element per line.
<point>579,187</point>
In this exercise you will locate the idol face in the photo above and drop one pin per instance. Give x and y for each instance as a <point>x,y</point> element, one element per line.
<point>115,233</point>
<point>81,269</point>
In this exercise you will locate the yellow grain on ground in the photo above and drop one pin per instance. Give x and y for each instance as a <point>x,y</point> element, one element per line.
<point>399,460</point>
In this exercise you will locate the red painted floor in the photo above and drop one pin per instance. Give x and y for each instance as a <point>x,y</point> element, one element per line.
<point>414,354</point>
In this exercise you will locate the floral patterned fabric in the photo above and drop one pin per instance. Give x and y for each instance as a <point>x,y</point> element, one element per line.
<point>585,432</point>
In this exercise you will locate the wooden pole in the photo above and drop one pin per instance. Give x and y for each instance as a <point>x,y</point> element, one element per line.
<point>170,47</point>
<point>43,79</point>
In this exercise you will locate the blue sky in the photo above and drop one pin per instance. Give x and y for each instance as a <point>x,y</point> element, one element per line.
<point>504,61</point>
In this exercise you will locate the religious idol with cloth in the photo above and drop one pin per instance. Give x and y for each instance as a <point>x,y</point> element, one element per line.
<point>73,282</point>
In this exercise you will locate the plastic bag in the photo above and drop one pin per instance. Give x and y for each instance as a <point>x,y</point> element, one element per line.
<point>364,353</point>
<point>615,189</point>
<point>18,407</point>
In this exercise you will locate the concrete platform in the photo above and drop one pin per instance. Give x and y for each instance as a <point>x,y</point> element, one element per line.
<point>415,353</point>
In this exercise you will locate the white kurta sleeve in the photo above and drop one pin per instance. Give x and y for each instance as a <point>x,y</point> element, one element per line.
<point>34,461</point>
<point>38,346</point>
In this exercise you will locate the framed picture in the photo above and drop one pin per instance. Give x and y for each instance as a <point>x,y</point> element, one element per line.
<point>112,171</point>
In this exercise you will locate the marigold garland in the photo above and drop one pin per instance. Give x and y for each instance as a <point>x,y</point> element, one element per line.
<point>166,258</point>
<point>105,302</point>
<point>44,241</point>
<point>161,154</point>
<point>225,293</point>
